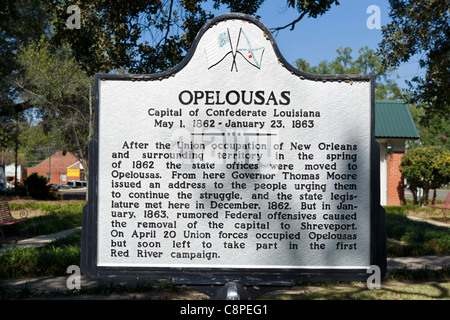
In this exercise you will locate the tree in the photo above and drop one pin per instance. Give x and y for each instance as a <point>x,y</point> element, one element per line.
<point>38,143</point>
<point>111,37</point>
<point>53,82</point>
<point>366,63</point>
<point>144,36</point>
<point>140,36</point>
<point>427,168</point>
<point>21,22</point>
<point>435,133</point>
<point>311,9</point>
<point>421,28</point>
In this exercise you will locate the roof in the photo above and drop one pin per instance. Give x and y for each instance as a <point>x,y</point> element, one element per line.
<point>59,160</point>
<point>393,120</point>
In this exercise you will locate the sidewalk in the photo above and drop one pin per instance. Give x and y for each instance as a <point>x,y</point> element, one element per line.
<point>40,240</point>
<point>419,262</point>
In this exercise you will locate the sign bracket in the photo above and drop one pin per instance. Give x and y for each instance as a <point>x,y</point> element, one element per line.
<point>235,291</point>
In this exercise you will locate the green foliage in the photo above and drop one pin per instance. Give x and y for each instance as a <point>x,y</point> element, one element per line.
<point>421,28</point>
<point>49,207</point>
<point>51,259</point>
<point>37,186</point>
<point>110,34</point>
<point>113,34</point>
<point>426,167</point>
<point>435,133</point>
<point>38,262</point>
<point>417,238</point>
<point>50,67</point>
<point>55,222</point>
<point>55,84</point>
<point>37,144</point>
<point>244,6</point>
<point>366,63</point>
<point>21,22</point>
<point>58,217</point>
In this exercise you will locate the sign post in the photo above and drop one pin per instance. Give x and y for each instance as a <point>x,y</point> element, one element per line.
<point>234,167</point>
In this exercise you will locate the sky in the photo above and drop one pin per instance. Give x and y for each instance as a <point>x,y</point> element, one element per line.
<point>317,39</point>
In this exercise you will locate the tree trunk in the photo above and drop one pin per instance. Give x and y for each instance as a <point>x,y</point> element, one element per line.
<point>425,196</point>
<point>414,194</point>
<point>433,201</point>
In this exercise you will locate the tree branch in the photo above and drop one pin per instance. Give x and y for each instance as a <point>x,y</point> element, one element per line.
<point>168,21</point>
<point>168,24</point>
<point>292,24</point>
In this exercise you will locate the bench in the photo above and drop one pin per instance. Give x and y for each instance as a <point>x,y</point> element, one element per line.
<point>445,206</point>
<point>6,218</point>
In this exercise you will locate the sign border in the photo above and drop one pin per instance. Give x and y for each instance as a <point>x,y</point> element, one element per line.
<point>244,276</point>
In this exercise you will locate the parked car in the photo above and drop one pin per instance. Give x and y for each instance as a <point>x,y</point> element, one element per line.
<point>57,187</point>
<point>74,184</point>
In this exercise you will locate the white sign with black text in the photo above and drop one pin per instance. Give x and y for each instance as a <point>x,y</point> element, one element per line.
<point>234,161</point>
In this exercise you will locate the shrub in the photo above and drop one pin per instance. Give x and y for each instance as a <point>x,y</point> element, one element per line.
<point>427,168</point>
<point>37,186</point>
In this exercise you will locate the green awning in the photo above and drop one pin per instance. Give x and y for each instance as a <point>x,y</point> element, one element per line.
<point>393,120</point>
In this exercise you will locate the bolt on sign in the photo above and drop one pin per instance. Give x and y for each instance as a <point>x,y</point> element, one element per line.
<point>234,165</point>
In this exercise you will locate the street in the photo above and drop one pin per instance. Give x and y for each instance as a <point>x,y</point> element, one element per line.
<point>440,194</point>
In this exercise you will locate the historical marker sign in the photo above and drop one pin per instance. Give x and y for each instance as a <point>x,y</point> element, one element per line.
<point>234,165</point>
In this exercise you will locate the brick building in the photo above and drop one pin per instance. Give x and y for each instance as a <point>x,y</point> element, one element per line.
<point>394,126</point>
<point>59,168</point>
